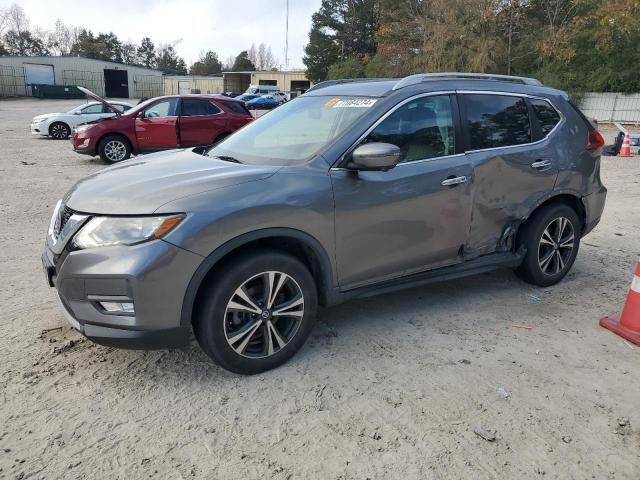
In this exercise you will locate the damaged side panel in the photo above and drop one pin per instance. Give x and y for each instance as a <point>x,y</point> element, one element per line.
<point>506,188</point>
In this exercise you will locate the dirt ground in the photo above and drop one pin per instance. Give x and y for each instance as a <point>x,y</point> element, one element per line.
<point>389,387</point>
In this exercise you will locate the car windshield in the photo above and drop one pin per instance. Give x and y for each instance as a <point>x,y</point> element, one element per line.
<point>294,132</point>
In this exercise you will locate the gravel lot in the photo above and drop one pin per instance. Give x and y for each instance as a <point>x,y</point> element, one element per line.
<point>389,387</point>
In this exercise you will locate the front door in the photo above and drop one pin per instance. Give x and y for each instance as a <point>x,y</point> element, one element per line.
<point>514,163</point>
<point>157,127</point>
<point>413,217</point>
<point>201,122</point>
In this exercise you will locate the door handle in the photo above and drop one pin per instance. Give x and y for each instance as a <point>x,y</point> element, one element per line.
<point>453,181</point>
<point>541,164</point>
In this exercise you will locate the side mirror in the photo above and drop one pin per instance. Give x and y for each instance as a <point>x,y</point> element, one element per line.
<point>141,114</point>
<point>375,156</point>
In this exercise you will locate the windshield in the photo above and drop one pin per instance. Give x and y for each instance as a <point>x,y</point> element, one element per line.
<point>293,133</point>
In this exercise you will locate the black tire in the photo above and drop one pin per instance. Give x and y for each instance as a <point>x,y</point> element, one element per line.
<point>548,260</point>
<point>216,320</point>
<point>59,131</point>
<point>112,144</point>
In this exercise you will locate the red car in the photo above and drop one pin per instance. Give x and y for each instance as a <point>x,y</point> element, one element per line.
<point>160,123</point>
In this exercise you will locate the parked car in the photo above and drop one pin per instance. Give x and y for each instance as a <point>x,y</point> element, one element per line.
<point>60,125</point>
<point>159,124</point>
<point>261,89</point>
<point>246,97</point>
<point>231,94</point>
<point>265,102</point>
<point>348,191</point>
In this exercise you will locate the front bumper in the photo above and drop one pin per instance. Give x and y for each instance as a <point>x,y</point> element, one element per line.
<point>82,144</point>
<point>153,276</point>
<point>39,129</point>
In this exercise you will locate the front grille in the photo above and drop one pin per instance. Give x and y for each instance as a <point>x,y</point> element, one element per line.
<point>63,218</point>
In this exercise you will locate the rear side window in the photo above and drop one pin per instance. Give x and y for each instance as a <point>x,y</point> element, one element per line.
<point>497,121</point>
<point>547,116</point>
<point>192,107</point>
<point>92,109</point>
<point>236,107</point>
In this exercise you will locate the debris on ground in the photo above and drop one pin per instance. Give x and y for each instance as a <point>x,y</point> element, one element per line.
<point>534,298</point>
<point>518,325</point>
<point>485,434</point>
<point>503,392</point>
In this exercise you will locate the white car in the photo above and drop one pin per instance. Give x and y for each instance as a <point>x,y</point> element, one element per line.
<point>60,125</point>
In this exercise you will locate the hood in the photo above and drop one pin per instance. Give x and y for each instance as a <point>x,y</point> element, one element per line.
<point>141,185</point>
<point>97,98</point>
<point>47,115</point>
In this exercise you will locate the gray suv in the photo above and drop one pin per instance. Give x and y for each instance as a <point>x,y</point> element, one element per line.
<point>353,189</point>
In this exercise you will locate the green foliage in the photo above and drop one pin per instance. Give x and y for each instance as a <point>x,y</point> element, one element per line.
<point>23,43</point>
<point>146,53</point>
<point>208,64</point>
<point>242,63</point>
<point>340,30</point>
<point>576,45</point>
<point>350,68</point>
<point>169,62</point>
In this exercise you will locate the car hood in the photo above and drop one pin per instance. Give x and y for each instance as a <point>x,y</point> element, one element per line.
<point>47,115</point>
<point>142,185</point>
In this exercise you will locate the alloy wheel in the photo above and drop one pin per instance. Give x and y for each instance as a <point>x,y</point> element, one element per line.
<point>556,246</point>
<point>115,150</point>
<point>59,131</point>
<point>263,314</point>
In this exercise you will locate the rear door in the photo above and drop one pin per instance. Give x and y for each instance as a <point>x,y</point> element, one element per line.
<point>91,113</point>
<point>201,122</point>
<point>157,127</point>
<point>514,163</point>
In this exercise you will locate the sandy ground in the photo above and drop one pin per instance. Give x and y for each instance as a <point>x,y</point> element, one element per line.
<point>387,387</point>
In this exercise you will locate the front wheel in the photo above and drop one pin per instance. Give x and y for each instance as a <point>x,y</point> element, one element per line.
<point>552,239</point>
<point>59,130</point>
<point>113,149</point>
<point>256,312</point>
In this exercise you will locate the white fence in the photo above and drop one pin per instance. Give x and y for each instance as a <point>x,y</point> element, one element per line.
<point>612,107</point>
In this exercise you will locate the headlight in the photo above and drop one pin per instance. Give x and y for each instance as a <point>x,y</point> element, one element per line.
<point>83,128</point>
<point>107,231</point>
<point>40,120</point>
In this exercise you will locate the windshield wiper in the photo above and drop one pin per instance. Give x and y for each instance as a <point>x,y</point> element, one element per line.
<point>227,158</point>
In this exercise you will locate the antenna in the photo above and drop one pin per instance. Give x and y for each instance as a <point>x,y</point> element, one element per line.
<point>286,42</point>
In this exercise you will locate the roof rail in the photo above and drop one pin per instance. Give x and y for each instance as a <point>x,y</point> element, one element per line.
<point>423,77</point>
<point>329,83</point>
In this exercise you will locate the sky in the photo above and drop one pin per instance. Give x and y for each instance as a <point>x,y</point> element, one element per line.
<point>224,26</point>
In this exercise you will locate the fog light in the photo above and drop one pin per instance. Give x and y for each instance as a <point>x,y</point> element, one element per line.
<point>118,307</point>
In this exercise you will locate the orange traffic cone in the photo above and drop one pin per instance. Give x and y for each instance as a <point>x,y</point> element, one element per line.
<point>625,150</point>
<point>628,324</point>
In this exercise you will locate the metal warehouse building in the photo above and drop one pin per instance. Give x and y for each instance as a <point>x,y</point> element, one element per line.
<point>182,84</point>
<point>285,81</point>
<point>109,79</point>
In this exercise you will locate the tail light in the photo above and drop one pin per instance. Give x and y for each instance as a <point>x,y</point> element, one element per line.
<point>594,140</point>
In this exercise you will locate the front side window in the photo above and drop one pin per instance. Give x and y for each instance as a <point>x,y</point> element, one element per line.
<point>92,109</point>
<point>118,106</point>
<point>497,121</point>
<point>547,116</point>
<point>293,133</point>
<point>164,108</point>
<point>193,107</point>
<point>422,128</point>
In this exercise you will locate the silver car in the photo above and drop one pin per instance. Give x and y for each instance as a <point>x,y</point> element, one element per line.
<point>352,189</point>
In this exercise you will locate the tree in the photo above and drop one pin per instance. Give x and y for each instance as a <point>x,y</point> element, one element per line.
<point>169,62</point>
<point>252,54</point>
<point>242,63</point>
<point>341,30</point>
<point>208,64</point>
<point>227,65</point>
<point>23,44</point>
<point>61,39</point>
<point>350,68</point>
<point>146,53</point>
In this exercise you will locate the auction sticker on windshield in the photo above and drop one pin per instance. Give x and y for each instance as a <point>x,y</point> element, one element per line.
<point>351,103</point>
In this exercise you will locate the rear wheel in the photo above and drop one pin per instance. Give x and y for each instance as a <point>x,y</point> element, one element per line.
<point>59,130</point>
<point>113,149</point>
<point>552,239</point>
<point>256,312</point>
